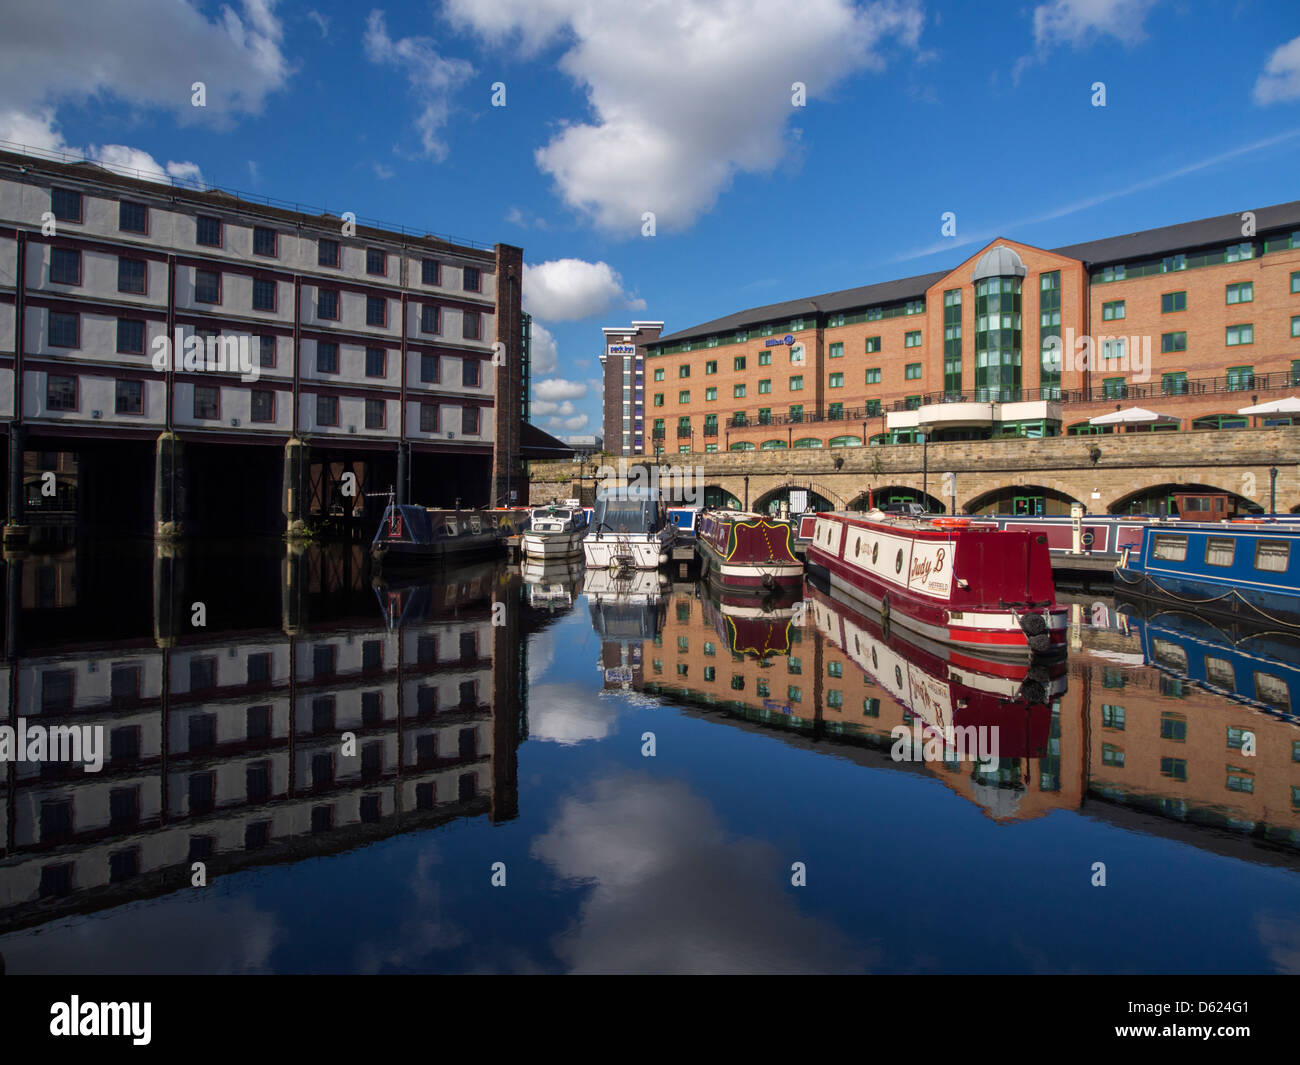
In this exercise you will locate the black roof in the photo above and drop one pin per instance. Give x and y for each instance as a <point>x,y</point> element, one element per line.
<point>1222,229</point>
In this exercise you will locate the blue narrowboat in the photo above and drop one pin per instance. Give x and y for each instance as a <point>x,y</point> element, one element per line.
<point>1246,569</point>
<point>1248,663</point>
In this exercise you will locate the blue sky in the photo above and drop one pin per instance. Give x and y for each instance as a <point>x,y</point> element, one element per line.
<point>684,109</point>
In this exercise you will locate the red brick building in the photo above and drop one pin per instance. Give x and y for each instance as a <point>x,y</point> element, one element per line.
<point>1192,321</point>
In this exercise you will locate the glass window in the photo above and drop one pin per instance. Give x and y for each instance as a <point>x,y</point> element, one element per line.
<point>208,231</point>
<point>1219,551</point>
<point>836,380</point>
<point>1173,301</point>
<point>1240,334</point>
<point>1112,311</point>
<point>873,345</point>
<point>65,266</point>
<point>430,272</point>
<point>1242,292</point>
<point>796,384</point>
<point>1173,342</point>
<point>873,375</point>
<point>912,339</point>
<point>1169,548</point>
<point>738,363</point>
<point>1272,556</point>
<point>327,253</point>
<point>836,350</point>
<point>263,240</point>
<point>913,371</point>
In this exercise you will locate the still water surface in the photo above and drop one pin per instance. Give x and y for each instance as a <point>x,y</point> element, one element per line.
<point>520,750</point>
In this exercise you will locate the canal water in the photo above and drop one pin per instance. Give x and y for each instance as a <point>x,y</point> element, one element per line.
<point>309,768</point>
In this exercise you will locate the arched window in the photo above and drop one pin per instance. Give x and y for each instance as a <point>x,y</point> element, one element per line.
<point>772,445</point>
<point>808,441</point>
<point>743,445</point>
<point>846,441</point>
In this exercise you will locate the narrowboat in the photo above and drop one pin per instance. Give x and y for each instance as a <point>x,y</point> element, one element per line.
<point>757,629</point>
<point>747,552</point>
<point>685,523</point>
<point>628,531</point>
<point>415,535</point>
<point>941,578</point>
<point>1251,664</point>
<point>946,688</point>
<point>555,532</point>
<point>1248,568</point>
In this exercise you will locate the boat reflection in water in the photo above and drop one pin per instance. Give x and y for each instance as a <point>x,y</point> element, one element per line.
<point>1101,733</point>
<point>223,745</point>
<point>627,609</point>
<point>551,585</point>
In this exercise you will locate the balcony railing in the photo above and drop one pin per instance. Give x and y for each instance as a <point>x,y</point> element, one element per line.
<point>1148,390</point>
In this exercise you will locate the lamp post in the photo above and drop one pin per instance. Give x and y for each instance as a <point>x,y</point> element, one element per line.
<point>925,467</point>
<point>1272,490</point>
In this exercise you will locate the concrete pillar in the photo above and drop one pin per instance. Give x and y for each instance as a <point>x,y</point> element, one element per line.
<point>170,615</point>
<point>15,528</point>
<point>297,456</point>
<point>293,590</point>
<point>169,487</point>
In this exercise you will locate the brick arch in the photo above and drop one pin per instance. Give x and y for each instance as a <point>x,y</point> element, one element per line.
<point>836,500</point>
<point>1176,486</point>
<point>1049,484</point>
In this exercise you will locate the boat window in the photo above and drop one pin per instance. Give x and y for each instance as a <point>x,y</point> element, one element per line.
<point>625,516</point>
<point>1219,550</point>
<point>875,551</point>
<point>898,562</point>
<point>1169,654</point>
<point>1272,691</point>
<point>1272,555</point>
<point>1219,672</point>
<point>1169,548</point>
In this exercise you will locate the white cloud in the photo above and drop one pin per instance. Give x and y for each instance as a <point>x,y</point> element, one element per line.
<point>322,23</point>
<point>569,290</point>
<point>147,54</point>
<point>545,351</point>
<point>39,130</point>
<point>558,388</point>
<point>383,173</point>
<point>433,79</point>
<point>567,714</point>
<point>1280,80</point>
<point>1077,23</point>
<point>578,421</point>
<point>685,93</point>
<point>667,890</point>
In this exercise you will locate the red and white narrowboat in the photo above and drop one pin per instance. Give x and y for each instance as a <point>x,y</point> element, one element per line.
<point>747,552</point>
<point>946,580</point>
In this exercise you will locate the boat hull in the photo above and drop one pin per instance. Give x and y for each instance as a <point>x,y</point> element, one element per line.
<point>642,551</point>
<point>551,546</point>
<point>747,553</point>
<point>908,572</point>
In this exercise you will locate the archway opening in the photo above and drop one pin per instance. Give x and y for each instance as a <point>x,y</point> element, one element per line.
<point>1160,500</point>
<point>1026,500</point>
<point>770,502</point>
<point>895,494</point>
<point>717,496</point>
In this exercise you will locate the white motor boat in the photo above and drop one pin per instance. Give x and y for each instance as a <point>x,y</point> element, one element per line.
<point>628,531</point>
<point>555,532</point>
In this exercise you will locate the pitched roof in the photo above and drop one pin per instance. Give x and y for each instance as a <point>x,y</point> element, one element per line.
<point>1222,229</point>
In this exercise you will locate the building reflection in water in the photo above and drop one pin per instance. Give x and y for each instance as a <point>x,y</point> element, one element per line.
<point>225,742</point>
<point>1145,718</point>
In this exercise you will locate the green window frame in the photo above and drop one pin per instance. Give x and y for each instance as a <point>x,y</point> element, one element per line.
<point>1176,768</point>
<point>659,399</point>
<point>765,358</point>
<point>1172,302</point>
<point>710,394</point>
<point>873,375</point>
<point>912,339</point>
<point>1112,311</point>
<point>912,372</point>
<point>1240,378</point>
<point>659,374</point>
<point>1170,342</point>
<point>836,350</point>
<point>765,386</point>
<point>1241,292</point>
<point>738,363</point>
<point>684,396</point>
<point>737,391</point>
<point>1239,252</point>
<point>711,367</point>
<point>873,408</point>
<point>1295,326</point>
<point>873,345</point>
<point>1173,263</point>
<point>796,412</point>
<point>796,383</point>
<point>1113,387</point>
<point>1295,281</point>
<point>1112,717</point>
<point>836,381</point>
<point>1174,383</point>
<point>835,412</point>
<point>1237,335</point>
